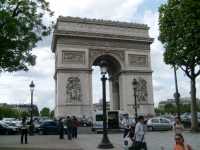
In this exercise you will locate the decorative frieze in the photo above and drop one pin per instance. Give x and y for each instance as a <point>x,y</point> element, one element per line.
<point>73,90</point>
<point>73,57</point>
<point>101,43</point>
<point>136,60</point>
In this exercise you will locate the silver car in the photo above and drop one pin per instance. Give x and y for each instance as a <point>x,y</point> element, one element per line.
<point>158,124</point>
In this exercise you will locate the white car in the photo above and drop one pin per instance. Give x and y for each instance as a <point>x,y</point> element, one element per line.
<point>158,124</point>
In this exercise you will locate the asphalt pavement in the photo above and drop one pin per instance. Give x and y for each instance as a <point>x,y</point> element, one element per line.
<point>90,141</point>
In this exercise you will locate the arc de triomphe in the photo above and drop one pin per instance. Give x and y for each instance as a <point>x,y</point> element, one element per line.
<point>79,44</point>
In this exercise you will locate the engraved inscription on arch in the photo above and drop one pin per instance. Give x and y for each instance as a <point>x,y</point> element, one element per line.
<point>136,60</point>
<point>73,57</point>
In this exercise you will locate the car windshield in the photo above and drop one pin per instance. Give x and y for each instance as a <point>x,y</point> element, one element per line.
<point>3,124</point>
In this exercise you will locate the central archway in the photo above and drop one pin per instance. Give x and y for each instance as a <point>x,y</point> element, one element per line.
<point>114,68</point>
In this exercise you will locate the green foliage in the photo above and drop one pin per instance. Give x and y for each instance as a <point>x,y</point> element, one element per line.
<point>179,23</point>
<point>45,112</point>
<point>6,112</point>
<point>170,108</point>
<point>159,111</point>
<point>21,27</point>
<point>52,114</point>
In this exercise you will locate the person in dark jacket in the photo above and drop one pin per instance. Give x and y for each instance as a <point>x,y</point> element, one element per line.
<point>24,131</point>
<point>61,128</point>
<point>69,127</point>
<point>75,125</point>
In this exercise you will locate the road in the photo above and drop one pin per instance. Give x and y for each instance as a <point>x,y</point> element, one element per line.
<point>89,141</point>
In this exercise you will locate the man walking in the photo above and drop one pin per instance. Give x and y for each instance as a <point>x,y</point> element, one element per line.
<point>61,128</point>
<point>140,143</point>
<point>69,127</point>
<point>24,131</point>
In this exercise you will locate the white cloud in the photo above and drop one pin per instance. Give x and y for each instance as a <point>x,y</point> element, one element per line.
<point>101,9</point>
<point>14,87</point>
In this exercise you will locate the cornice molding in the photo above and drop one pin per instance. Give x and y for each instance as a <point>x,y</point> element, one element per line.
<point>102,22</point>
<point>73,70</point>
<point>136,71</point>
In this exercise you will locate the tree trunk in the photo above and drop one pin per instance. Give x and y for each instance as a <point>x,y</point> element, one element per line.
<point>194,120</point>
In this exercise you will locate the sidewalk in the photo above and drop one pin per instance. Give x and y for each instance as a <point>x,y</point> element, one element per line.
<point>155,140</point>
<point>52,142</point>
<point>37,142</point>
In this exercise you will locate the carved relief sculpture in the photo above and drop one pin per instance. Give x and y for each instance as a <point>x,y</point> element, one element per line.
<point>137,60</point>
<point>142,90</point>
<point>73,90</point>
<point>73,57</point>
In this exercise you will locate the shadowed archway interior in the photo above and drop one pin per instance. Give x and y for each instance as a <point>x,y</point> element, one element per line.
<point>114,68</point>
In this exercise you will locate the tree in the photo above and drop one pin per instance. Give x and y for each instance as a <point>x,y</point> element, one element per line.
<point>52,114</point>
<point>179,22</point>
<point>8,112</point>
<point>170,108</point>
<point>21,27</point>
<point>45,112</point>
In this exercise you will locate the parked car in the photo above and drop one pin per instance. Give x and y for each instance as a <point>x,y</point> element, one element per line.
<point>158,124</point>
<point>6,129</point>
<point>49,127</point>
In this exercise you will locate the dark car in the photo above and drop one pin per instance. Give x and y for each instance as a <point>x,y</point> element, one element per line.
<point>49,127</point>
<point>5,129</point>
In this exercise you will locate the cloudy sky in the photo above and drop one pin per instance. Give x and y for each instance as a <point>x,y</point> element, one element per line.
<point>14,87</point>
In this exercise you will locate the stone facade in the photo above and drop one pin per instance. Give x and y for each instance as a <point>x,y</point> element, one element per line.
<point>79,44</point>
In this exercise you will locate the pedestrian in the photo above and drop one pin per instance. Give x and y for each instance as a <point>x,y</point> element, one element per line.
<point>178,127</point>
<point>61,128</point>
<point>125,123</point>
<point>180,145</point>
<point>75,125</point>
<point>69,127</point>
<point>139,137</point>
<point>24,131</point>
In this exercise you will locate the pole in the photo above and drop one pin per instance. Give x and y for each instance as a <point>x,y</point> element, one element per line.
<point>105,143</point>
<point>176,94</point>
<point>136,115</point>
<point>31,120</point>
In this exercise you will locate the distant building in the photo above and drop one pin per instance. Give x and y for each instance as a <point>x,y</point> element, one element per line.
<point>21,107</point>
<point>99,106</point>
<point>183,101</point>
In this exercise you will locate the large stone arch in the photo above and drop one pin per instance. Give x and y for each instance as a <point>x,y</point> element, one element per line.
<point>80,43</point>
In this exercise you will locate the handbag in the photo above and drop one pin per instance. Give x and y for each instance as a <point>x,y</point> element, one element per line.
<point>127,141</point>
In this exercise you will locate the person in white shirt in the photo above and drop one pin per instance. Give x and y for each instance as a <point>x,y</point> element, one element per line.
<point>125,123</point>
<point>178,127</point>
<point>140,134</point>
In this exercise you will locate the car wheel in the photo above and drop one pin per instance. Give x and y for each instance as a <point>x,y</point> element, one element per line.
<point>150,128</point>
<point>6,132</point>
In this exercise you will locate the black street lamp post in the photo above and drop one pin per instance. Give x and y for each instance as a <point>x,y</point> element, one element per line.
<point>105,143</point>
<point>176,94</point>
<point>135,96</point>
<point>32,85</point>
